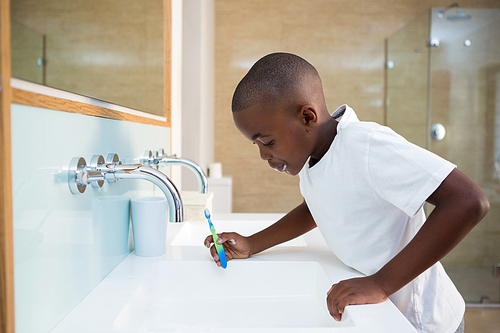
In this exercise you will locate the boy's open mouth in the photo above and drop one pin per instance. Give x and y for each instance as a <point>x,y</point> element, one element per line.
<point>280,168</point>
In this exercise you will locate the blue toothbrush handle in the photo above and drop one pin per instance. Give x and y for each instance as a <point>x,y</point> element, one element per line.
<point>220,249</point>
<point>222,255</point>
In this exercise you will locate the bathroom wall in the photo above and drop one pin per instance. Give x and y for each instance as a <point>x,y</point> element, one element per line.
<point>55,259</point>
<point>344,39</point>
<point>197,86</point>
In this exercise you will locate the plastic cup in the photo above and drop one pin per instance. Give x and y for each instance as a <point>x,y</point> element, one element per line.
<point>111,224</point>
<point>149,225</point>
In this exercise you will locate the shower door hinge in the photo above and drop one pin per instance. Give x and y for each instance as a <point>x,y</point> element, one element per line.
<point>433,42</point>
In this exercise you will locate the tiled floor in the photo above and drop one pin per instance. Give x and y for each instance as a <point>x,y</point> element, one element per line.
<point>476,283</point>
<point>482,320</point>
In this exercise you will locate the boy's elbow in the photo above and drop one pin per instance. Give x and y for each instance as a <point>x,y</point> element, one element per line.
<point>479,206</point>
<point>484,206</point>
<point>462,198</point>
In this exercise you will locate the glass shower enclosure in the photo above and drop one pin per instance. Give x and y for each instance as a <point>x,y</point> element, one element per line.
<point>28,53</point>
<point>443,94</point>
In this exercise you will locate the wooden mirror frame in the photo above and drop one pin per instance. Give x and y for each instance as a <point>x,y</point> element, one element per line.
<point>10,95</point>
<point>7,324</point>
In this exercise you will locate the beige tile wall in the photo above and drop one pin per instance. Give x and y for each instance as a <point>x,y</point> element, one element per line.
<point>344,39</point>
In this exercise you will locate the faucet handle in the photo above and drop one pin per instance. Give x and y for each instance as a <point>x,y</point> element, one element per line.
<point>77,175</point>
<point>147,158</point>
<point>112,158</point>
<point>96,162</point>
<point>161,153</point>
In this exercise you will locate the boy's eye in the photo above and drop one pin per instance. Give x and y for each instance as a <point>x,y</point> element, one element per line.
<point>269,144</point>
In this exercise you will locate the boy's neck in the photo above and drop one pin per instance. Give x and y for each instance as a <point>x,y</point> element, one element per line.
<point>328,131</point>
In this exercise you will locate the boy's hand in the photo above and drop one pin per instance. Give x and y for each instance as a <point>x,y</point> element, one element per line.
<point>363,290</point>
<point>235,246</point>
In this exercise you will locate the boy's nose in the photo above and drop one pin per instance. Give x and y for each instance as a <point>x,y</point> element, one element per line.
<point>264,155</point>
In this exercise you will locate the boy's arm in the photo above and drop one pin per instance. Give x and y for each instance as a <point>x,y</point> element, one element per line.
<point>295,223</point>
<point>460,205</point>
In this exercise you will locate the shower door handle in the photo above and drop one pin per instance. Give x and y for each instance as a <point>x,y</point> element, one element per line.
<point>438,132</point>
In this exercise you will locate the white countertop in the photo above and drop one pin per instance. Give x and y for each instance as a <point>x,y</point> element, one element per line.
<point>100,310</point>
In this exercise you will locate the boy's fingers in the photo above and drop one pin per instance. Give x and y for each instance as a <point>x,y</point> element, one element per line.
<point>345,302</point>
<point>336,301</point>
<point>214,254</point>
<point>222,238</point>
<point>341,306</point>
<point>209,240</point>
<point>329,291</point>
<point>334,312</point>
<point>224,235</point>
<point>337,313</point>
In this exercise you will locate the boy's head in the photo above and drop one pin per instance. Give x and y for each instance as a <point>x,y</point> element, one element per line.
<point>278,105</point>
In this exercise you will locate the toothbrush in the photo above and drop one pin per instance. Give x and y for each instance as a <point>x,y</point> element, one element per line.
<point>218,247</point>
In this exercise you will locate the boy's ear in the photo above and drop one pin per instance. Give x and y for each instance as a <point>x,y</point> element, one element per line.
<point>308,116</point>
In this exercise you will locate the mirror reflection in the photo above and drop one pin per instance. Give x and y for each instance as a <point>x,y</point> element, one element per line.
<point>105,49</point>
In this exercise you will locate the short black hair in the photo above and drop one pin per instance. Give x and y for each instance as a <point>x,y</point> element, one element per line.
<point>272,77</point>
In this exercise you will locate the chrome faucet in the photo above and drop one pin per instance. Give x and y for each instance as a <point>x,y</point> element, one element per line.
<point>159,157</point>
<point>80,175</point>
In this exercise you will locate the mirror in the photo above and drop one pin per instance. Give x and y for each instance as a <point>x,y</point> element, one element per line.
<point>105,49</point>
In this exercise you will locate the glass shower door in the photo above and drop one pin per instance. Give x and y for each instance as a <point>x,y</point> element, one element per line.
<point>406,80</point>
<point>443,94</point>
<point>28,49</point>
<point>464,119</point>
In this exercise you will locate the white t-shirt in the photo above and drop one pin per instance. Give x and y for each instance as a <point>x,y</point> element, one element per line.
<point>366,196</point>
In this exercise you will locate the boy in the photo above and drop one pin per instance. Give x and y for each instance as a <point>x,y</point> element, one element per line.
<point>364,187</point>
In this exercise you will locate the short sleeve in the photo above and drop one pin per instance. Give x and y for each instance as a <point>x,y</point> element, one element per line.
<point>402,173</point>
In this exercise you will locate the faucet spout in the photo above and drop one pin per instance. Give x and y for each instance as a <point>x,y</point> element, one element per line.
<point>159,157</point>
<point>198,171</point>
<point>138,171</point>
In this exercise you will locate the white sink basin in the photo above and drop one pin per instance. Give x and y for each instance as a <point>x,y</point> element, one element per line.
<point>194,233</point>
<point>190,296</point>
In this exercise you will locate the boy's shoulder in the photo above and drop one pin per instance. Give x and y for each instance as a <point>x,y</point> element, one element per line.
<point>351,128</point>
<point>348,119</point>
<point>359,128</point>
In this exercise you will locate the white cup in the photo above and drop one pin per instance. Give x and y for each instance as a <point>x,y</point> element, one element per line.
<point>215,170</point>
<point>149,225</point>
<point>110,224</point>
